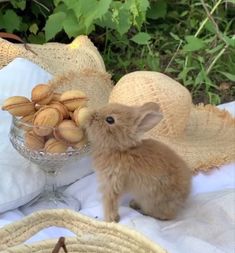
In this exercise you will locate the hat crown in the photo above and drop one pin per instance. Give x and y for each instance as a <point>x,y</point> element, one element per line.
<point>56,58</point>
<point>173,98</point>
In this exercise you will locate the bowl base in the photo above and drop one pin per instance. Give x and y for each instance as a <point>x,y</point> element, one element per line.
<point>51,200</point>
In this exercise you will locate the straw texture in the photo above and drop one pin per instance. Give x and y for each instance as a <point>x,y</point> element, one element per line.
<point>203,135</point>
<point>56,58</point>
<point>173,98</point>
<point>96,85</point>
<point>91,235</point>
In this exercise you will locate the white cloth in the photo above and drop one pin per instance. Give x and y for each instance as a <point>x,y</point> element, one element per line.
<point>15,188</point>
<point>205,225</point>
<point>17,79</point>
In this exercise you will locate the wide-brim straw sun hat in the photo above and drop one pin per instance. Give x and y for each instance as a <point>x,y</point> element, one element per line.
<point>203,135</point>
<point>77,65</point>
<point>56,58</point>
<point>90,235</point>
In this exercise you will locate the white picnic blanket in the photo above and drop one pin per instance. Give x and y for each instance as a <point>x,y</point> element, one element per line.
<point>205,225</point>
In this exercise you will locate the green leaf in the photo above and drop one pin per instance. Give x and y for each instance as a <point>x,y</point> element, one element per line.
<point>142,6</point>
<point>61,8</point>
<point>193,44</point>
<point>204,78</point>
<point>184,13</point>
<point>24,27</point>
<point>37,39</point>
<point>107,21</point>
<point>230,41</point>
<point>10,21</point>
<point>199,79</point>
<point>230,76</point>
<point>193,22</point>
<point>89,11</point>
<point>54,24</point>
<point>184,74</point>
<point>133,9</point>
<point>21,4</point>
<point>175,36</point>
<point>33,28</point>
<point>200,59</point>
<point>56,2</point>
<point>157,9</point>
<point>137,9</point>
<point>101,7</point>
<point>78,6</point>
<point>214,99</point>
<point>153,62</point>
<point>210,27</point>
<point>72,26</point>
<point>124,22</point>
<point>141,38</point>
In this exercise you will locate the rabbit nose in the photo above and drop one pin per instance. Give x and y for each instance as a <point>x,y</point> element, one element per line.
<point>93,118</point>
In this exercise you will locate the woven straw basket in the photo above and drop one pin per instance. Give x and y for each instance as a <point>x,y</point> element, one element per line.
<point>90,235</point>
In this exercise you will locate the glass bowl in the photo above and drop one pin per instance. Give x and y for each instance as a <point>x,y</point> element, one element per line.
<point>50,162</point>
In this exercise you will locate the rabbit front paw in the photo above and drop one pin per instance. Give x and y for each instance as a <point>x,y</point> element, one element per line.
<point>112,217</point>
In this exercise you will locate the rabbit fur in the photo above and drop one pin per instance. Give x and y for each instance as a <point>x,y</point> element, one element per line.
<point>158,179</point>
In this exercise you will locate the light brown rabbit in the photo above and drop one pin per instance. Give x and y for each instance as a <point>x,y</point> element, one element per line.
<point>156,176</point>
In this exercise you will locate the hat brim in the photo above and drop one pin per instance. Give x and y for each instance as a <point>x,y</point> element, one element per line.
<point>208,140</point>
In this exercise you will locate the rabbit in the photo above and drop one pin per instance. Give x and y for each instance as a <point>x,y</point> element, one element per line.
<point>125,162</point>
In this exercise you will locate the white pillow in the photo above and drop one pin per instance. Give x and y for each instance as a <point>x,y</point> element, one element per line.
<point>18,177</point>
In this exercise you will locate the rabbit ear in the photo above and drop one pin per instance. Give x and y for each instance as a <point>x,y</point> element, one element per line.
<point>148,116</point>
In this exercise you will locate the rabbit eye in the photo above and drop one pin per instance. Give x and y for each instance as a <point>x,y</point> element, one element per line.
<point>110,120</point>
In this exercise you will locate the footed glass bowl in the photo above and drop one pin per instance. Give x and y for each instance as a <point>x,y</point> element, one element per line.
<point>51,153</point>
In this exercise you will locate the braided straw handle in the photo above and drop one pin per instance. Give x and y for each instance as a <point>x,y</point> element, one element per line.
<point>88,232</point>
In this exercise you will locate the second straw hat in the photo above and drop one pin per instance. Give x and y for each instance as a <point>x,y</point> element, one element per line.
<point>203,135</point>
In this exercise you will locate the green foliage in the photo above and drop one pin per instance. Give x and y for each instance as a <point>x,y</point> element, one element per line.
<point>174,37</point>
<point>10,21</point>
<point>54,24</point>
<point>141,38</point>
<point>158,10</point>
<point>193,44</point>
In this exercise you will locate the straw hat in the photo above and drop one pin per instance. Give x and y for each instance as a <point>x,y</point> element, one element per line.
<point>55,58</point>
<point>96,85</point>
<point>77,65</point>
<point>90,235</point>
<point>203,135</point>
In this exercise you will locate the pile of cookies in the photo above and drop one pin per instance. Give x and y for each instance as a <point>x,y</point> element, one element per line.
<point>51,121</point>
